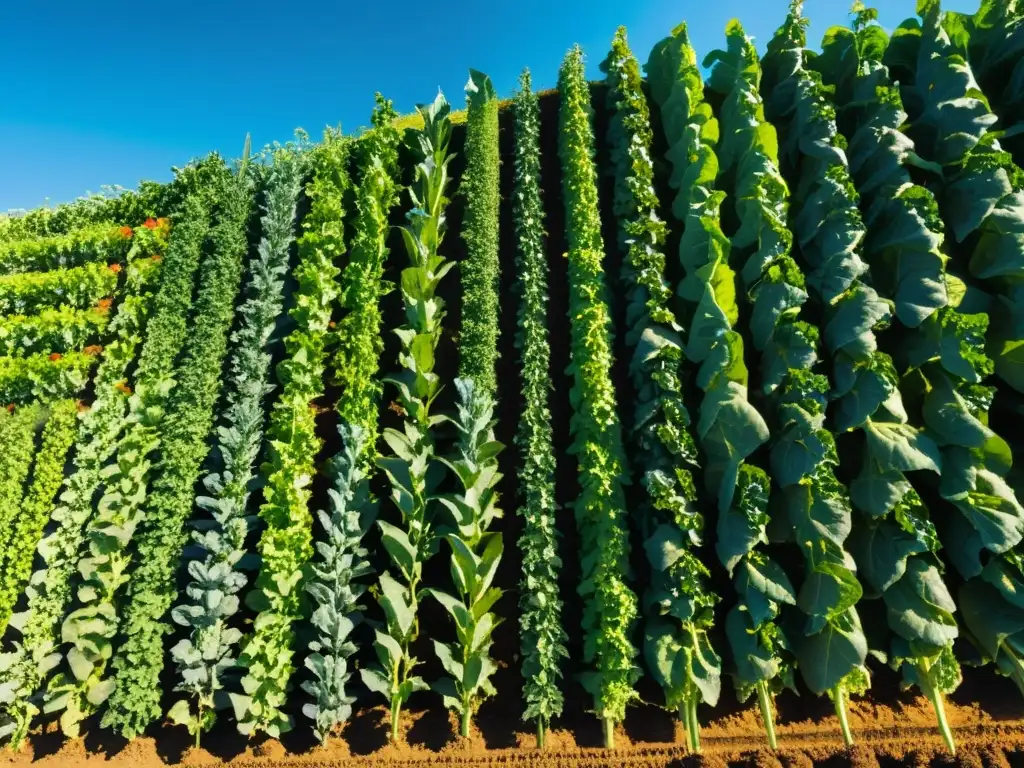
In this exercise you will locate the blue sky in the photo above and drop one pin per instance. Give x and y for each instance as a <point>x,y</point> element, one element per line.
<point>112,92</point>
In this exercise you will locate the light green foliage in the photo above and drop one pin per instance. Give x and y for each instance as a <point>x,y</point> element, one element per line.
<point>286,544</point>
<point>729,427</point>
<point>34,512</point>
<point>44,376</point>
<point>412,449</point>
<point>542,637</point>
<point>679,605</point>
<point>205,657</point>
<point>184,445</point>
<point>101,243</point>
<point>476,553</point>
<point>478,336</point>
<point>90,628</point>
<point>77,287</point>
<point>335,586</point>
<point>51,330</point>
<point>609,605</point>
<point>357,361</point>
<point>18,429</point>
<point>23,670</point>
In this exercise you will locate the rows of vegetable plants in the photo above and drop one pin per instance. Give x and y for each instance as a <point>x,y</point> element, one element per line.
<point>244,503</point>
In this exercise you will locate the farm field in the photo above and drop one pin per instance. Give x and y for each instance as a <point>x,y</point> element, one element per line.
<point>670,416</point>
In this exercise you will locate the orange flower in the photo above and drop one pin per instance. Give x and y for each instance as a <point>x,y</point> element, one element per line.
<point>115,268</point>
<point>157,257</point>
<point>93,349</point>
<point>332,325</point>
<point>104,304</point>
<point>121,386</point>
<point>10,408</point>
<point>151,224</point>
<point>126,231</point>
<point>56,356</point>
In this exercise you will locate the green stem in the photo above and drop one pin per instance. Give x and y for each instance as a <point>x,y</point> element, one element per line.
<point>940,713</point>
<point>466,717</point>
<point>689,715</point>
<point>541,733</point>
<point>767,714</point>
<point>609,733</point>
<point>839,700</point>
<point>396,708</point>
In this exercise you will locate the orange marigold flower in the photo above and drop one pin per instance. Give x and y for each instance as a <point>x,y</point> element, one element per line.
<point>122,386</point>
<point>126,231</point>
<point>10,408</point>
<point>115,268</point>
<point>56,356</point>
<point>104,303</point>
<point>150,224</point>
<point>332,324</point>
<point>93,349</point>
<point>157,257</point>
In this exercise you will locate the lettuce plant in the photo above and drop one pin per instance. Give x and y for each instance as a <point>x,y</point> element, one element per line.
<point>542,637</point>
<point>679,606</point>
<point>24,670</point>
<point>609,605</point>
<point>26,529</point>
<point>205,658</point>
<point>18,429</point>
<point>60,330</point>
<point>98,243</point>
<point>412,449</point>
<point>729,427</point>
<point>286,544</point>
<point>184,432</point>
<point>77,287</point>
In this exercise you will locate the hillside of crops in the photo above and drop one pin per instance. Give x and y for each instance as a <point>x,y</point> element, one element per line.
<point>667,416</point>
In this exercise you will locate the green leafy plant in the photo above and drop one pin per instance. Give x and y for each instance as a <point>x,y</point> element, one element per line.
<point>24,670</point>
<point>34,511</point>
<point>286,543</point>
<point>44,376</point>
<point>335,586</point>
<point>609,605</point>
<point>103,243</point>
<point>59,330</point>
<point>90,628</point>
<point>184,431</point>
<point>679,606</point>
<point>76,287</point>
<point>206,657</point>
<point>18,428</point>
<point>542,637</point>
<point>729,427</point>
<point>412,450</point>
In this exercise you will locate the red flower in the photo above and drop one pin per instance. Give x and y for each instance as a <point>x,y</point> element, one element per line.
<point>10,408</point>
<point>93,349</point>
<point>151,224</point>
<point>56,356</point>
<point>115,268</point>
<point>126,231</point>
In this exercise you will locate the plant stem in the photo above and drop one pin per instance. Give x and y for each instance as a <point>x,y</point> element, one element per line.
<point>839,699</point>
<point>940,714</point>
<point>466,716</point>
<point>396,708</point>
<point>689,714</point>
<point>609,733</point>
<point>767,714</point>
<point>541,732</point>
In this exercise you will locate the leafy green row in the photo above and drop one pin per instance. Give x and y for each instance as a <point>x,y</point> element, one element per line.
<point>412,449</point>
<point>23,671</point>
<point>90,628</point>
<point>206,656</point>
<point>286,543</point>
<point>18,428</point>
<point>103,243</point>
<point>341,559</point>
<point>729,427</point>
<point>943,362</point>
<point>982,189</point>
<point>679,606</point>
<point>476,550</point>
<point>77,287</point>
<point>44,376</point>
<point>609,605</point>
<point>184,446</point>
<point>23,533</point>
<point>542,637</point>
<point>61,330</point>
<point>893,545</point>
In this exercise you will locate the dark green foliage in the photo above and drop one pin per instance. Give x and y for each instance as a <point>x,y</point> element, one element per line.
<point>478,337</point>
<point>610,606</point>
<point>542,637</point>
<point>679,606</point>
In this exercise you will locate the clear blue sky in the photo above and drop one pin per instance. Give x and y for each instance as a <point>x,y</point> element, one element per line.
<point>112,92</point>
